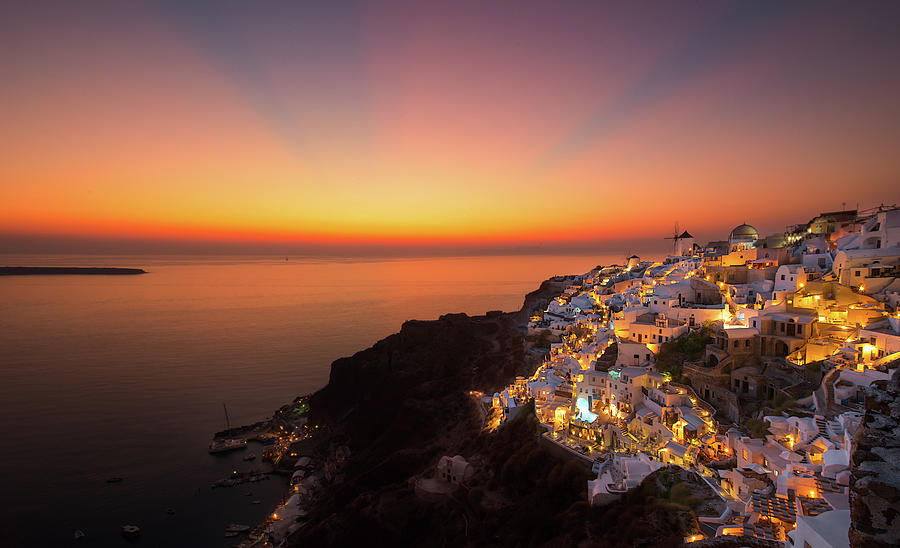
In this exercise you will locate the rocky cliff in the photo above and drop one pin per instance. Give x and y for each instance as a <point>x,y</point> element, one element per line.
<point>875,480</point>
<point>401,405</point>
<point>404,403</point>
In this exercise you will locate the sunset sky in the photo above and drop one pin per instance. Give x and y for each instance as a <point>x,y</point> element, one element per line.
<point>342,125</point>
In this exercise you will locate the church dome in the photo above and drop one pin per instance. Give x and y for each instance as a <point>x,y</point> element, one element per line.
<point>744,232</point>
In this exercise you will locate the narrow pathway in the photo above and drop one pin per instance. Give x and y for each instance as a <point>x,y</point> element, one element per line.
<point>823,397</point>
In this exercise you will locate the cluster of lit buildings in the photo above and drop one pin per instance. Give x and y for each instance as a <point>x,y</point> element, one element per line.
<point>798,324</point>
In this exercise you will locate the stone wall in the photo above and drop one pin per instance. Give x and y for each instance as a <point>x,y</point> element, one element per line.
<point>714,390</point>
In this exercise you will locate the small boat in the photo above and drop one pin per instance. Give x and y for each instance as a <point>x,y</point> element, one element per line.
<point>255,502</point>
<point>170,511</point>
<point>237,528</point>
<point>79,534</point>
<point>221,446</point>
<point>251,456</point>
<point>131,531</point>
<point>114,479</point>
<point>231,533</point>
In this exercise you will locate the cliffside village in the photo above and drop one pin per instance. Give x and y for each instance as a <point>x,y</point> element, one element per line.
<point>744,360</point>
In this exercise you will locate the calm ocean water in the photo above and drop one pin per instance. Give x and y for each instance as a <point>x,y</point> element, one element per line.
<point>125,376</point>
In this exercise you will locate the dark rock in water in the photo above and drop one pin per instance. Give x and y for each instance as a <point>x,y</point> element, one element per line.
<point>66,270</point>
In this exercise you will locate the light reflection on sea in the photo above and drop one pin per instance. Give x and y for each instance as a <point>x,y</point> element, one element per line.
<point>105,376</point>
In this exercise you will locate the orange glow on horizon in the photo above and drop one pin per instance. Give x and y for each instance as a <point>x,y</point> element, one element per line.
<point>595,125</point>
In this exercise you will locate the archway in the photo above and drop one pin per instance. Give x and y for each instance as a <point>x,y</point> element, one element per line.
<point>781,349</point>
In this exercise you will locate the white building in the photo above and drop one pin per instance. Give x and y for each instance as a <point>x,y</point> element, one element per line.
<point>618,475</point>
<point>790,277</point>
<point>455,470</point>
<point>650,328</point>
<point>882,230</point>
<point>853,266</point>
<point>632,354</point>
<point>827,530</point>
<point>883,336</point>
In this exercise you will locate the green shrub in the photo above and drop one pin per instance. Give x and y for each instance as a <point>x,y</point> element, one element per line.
<point>758,428</point>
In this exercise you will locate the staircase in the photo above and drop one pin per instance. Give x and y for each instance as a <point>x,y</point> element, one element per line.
<point>836,429</point>
<point>822,426</point>
<point>802,452</point>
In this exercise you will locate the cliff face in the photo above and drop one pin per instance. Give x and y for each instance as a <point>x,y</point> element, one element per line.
<point>540,298</point>
<point>427,360</point>
<point>401,405</point>
<point>875,480</point>
<point>404,403</point>
<point>410,386</point>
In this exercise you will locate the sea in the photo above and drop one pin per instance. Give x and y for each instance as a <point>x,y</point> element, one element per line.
<point>128,376</point>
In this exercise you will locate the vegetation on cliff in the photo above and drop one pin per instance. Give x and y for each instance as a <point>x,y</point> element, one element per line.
<point>689,347</point>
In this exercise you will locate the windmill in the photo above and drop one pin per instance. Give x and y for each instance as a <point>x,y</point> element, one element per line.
<point>677,235</point>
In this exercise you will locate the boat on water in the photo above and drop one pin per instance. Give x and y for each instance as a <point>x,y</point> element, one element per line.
<point>131,531</point>
<point>114,479</point>
<point>221,446</point>
<point>237,528</point>
<point>79,534</point>
<point>251,456</point>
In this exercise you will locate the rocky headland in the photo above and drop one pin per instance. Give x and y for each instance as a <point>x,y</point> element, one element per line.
<point>414,397</point>
<point>68,271</point>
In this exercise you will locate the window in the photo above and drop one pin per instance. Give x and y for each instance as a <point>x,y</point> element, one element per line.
<point>754,323</point>
<point>747,343</point>
<point>782,276</point>
<point>858,273</point>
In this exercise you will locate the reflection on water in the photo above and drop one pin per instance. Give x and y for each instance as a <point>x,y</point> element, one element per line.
<point>105,376</point>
